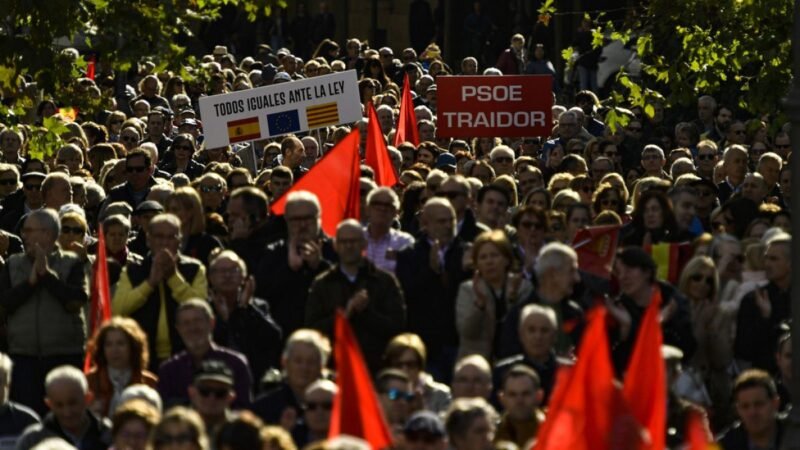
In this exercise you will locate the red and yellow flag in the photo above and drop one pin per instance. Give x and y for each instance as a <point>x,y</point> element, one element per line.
<point>244,130</point>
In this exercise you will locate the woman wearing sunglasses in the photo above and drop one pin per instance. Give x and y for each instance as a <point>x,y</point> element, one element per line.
<point>181,428</point>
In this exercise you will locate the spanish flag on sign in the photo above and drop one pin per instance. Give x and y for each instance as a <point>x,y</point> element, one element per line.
<point>244,130</point>
<point>322,115</point>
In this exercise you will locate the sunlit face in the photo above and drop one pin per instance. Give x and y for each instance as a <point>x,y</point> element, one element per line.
<point>117,349</point>
<point>701,284</point>
<point>653,215</point>
<point>537,334</point>
<point>67,402</point>
<point>303,366</point>
<point>491,262</point>
<point>756,409</point>
<point>71,231</point>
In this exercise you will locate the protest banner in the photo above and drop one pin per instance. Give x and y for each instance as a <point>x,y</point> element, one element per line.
<point>490,106</point>
<point>280,109</point>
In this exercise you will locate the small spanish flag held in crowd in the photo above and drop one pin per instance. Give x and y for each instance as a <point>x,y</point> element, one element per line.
<point>670,259</point>
<point>322,115</point>
<point>244,130</point>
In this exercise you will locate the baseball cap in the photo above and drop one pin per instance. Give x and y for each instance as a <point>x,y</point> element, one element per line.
<point>281,77</point>
<point>188,121</point>
<point>446,160</point>
<point>213,370</point>
<point>148,206</point>
<point>424,422</point>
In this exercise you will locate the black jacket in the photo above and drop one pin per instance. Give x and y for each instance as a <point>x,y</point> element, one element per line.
<point>736,438</point>
<point>757,336</point>
<point>200,246</point>
<point>96,437</point>
<point>470,227</point>
<point>123,193</point>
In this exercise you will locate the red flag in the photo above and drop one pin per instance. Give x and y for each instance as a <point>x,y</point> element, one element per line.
<point>334,180</point>
<point>90,66</point>
<point>356,411</point>
<point>596,247</point>
<point>698,435</point>
<point>587,410</point>
<point>645,386</point>
<point>407,123</point>
<point>100,306</point>
<point>377,152</point>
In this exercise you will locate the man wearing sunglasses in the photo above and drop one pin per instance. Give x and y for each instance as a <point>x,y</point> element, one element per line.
<point>397,397</point>
<point>424,430</point>
<point>139,168</point>
<point>17,206</point>
<point>211,394</point>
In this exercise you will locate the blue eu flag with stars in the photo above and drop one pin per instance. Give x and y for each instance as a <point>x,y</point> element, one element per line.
<point>283,122</point>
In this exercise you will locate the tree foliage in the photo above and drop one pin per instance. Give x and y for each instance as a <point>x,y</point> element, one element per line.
<point>735,50</point>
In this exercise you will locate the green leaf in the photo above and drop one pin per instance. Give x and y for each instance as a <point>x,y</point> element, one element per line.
<point>649,111</point>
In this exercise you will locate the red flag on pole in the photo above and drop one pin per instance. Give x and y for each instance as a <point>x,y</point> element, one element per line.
<point>356,410</point>
<point>407,123</point>
<point>698,435</point>
<point>596,247</point>
<point>100,305</point>
<point>645,386</point>
<point>377,152</point>
<point>334,179</point>
<point>90,67</point>
<point>587,410</point>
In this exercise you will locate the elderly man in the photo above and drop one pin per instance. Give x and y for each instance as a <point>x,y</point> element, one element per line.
<point>556,274</point>
<point>151,290</point>
<point>212,394</point>
<point>384,241</point>
<point>293,153</point>
<point>318,406</point>
<point>754,187</point>
<point>769,166</point>
<point>472,377</point>
<point>243,322</point>
<point>430,273</point>
<point>305,354</point>
<point>707,157</point>
<point>569,127</point>
<point>194,321</point>
<point>763,309</point>
<point>70,417</point>
<point>458,192</point>
<point>653,161</point>
<point>14,417</point>
<point>735,164</point>
<point>502,160</point>
<point>370,297</point>
<point>705,113</point>
<point>288,266</point>
<point>42,293</point>
<point>9,179</point>
<point>16,205</point>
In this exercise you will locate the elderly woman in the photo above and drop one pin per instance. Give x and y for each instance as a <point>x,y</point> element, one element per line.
<point>180,428</point>
<point>185,203</point>
<point>408,353</point>
<point>471,424</point>
<point>183,149</point>
<point>70,156</point>
<point>213,190</point>
<point>482,302</point>
<point>9,179</point>
<point>133,421</point>
<point>11,143</point>
<point>119,358</point>
<point>73,234</point>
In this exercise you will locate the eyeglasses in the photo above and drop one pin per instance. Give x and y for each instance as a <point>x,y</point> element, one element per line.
<point>219,393</point>
<point>10,182</point>
<point>528,224</point>
<point>135,169</point>
<point>706,156</point>
<point>208,189</point>
<point>184,147</point>
<point>33,187</point>
<point>313,406</point>
<point>129,139</point>
<point>229,271</point>
<point>167,439</point>
<point>72,230</point>
<point>397,394</point>
<point>699,277</point>
<point>503,160</point>
<point>452,195</point>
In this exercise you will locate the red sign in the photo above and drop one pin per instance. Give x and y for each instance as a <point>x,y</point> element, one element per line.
<point>494,106</point>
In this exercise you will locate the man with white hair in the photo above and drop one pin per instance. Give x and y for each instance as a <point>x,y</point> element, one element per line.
<point>502,160</point>
<point>70,418</point>
<point>384,241</point>
<point>385,118</point>
<point>370,297</point>
<point>556,274</point>
<point>318,405</point>
<point>42,293</point>
<point>14,417</point>
<point>568,128</point>
<point>430,273</point>
<point>288,266</point>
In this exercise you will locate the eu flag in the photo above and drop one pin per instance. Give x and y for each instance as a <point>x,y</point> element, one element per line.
<point>283,122</point>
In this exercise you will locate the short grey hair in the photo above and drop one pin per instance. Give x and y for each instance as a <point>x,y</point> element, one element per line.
<point>47,218</point>
<point>501,150</point>
<point>228,254</point>
<point>474,360</point>
<point>322,385</point>
<point>69,374</point>
<point>534,309</point>
<point>6,366</point>
<point>309,337</point>
<point>463,411</point>
<point>309,198</point>
<point>143,392</point>
<point>386,191</point>
<point>654,148</point>
<point>553,256</point>
<point>167,218</point>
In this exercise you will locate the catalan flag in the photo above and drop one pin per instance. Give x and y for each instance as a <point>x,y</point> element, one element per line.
<point>322,115</point>
<point>244,130</point>
<point>670,259</point>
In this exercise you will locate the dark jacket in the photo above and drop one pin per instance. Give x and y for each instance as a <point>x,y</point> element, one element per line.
<point>431,296</point>
<point>14,419</point>
<point>382,319</point>
<point>123,193</point>
<point>96,437</point>
<point>470,227</point>
<point>286,290</point>
<point>200,246</point>
<point>736,437</point>
<point>546,372</point>
<point>252,248</point>
<point>757,336</point>
<point>271,405</point>
<point>193,169</point>
<point>251,331</point>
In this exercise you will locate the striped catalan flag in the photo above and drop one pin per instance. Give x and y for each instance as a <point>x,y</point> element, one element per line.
<point>244,130</point>
<point>670,259</point>
<point>322,115</point>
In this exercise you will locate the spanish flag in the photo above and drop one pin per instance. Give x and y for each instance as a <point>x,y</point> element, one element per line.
<point>319,116</point>
<point>670,259</point>
<point>244,130</point>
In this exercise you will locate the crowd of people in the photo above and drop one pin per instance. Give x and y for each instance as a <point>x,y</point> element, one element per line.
<point>460,282</point>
